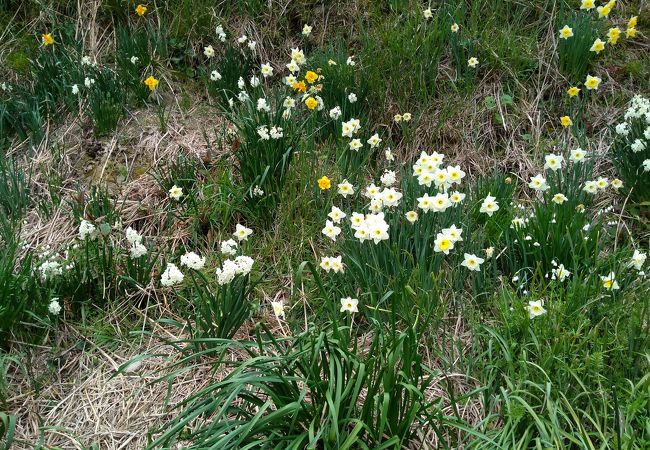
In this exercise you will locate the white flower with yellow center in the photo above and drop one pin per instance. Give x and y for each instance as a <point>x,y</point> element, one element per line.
<point>472,262</point>
<point>535,308</point>
<point>559,198</point>
<point>577,155</point>
<point>411,216</point>
<point>425,203</point>
<point>454,233</point>
<point>455,174</point>
<point>331,230</point>
<point>566,32</point>
<point>345,188</point>
<point>590,187</point>
<point>538,183</point>
<point>336,215</point>
<point>391,197</point>
<point>456,197</point>
<point>609,282</point>
<point>350,305</point>
<point>176,192</point>
<point>440,202</point>
<point>489,205</point>
<point>374,140</point>
<point>355,144</point>
<point>553,162</point>
<point>443,243</point>
<point>242,232</point>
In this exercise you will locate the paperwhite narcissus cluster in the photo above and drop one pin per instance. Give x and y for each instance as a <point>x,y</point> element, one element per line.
<point>192,261</point>
<point>87,230</point>
<point>241,265</point>
<point>171,276</point>
<point>137,249</point>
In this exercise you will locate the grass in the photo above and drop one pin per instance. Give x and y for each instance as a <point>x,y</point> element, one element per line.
<point>402,345</point>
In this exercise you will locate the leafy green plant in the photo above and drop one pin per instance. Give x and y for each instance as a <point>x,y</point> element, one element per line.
<point>312,391</point>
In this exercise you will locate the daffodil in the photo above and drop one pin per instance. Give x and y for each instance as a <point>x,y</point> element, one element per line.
<point>560,273</point>
<point>176,192</point>
<point>638,259</point>
<point>151,83</point>
<point>443,243</point>
<point>278,308</point>
<point>566,121</point>
<point>324,183</point>
<point>573,91</point>
<point>350,305</point>
<point>535,309</point>
<point>472,262</point>
<point>311,103</point>
<point>613,35</point>
<point>311,76</point>
<point>242,232</point>
<point>609,282</point>
<point>592,82</point>
<point>603,11</point>
<point>538,183</point>
<point>411,216</point>
<point>266,70</point>
<point>140,10</point>
<point>566,32</point>
<point>553,162</point>
<point>598,46</point>
<point>489,205</point>
<point>472,62</point>
<point>47,39</point>
<point>559,198</point>
<point>587,4</point>
<point>455,28</point>
<point>345,188</point>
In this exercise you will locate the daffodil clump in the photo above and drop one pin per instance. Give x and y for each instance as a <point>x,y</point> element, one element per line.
<point>581,37</point>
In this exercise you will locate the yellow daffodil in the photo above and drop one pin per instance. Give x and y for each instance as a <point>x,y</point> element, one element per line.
<point>587,4</point>
<point>573,91</point>
<point>311,77</point>
<point>632,22</point>
<point>566,121</point>
<point>48,39</point>
<point>311,103</point>
<point>566,32</point>
<point>598,46</point>
<point>300,86</point>
<point>603,11</point>
<point>140,10</point>
<point>613,35</point>
<point>592,82</point>
<point>324,183</point>
<point>630,32</point>
<point>151,83</point>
